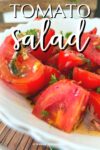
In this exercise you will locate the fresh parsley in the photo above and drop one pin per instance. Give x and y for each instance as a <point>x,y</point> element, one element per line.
<point>12,65</point>
<point>68,34</point>
<point>31,32</point>
<point>53,148</point>
<point>98,90</point>
<point>44,113</point>
<point>88,61</point>
<point>53,79</point>
<point>98,47</point>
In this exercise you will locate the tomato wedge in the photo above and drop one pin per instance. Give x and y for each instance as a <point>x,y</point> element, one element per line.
<point>43,56</point>
<point>92,52</point>
<point>69,59</point>
<point>6,49</point>
<point>62,104</point>
<point>53,61</point>
<point>87,79</point>
<point>36,76</point>
<point>95,102</point>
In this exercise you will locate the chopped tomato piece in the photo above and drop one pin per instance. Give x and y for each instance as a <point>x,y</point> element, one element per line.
<point>35,77</point>
<point>62,104</point>
<point>95,102</point>
<point>87,79</point>
<point>6,49</point>
<point>53,61</point>
<point>91,52</point>
<point>22,71</point>
<point>69,59</point>
<point>39,54</point>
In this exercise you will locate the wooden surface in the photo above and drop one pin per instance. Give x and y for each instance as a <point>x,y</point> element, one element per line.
<point>4,26</point>
<point>14,140</point>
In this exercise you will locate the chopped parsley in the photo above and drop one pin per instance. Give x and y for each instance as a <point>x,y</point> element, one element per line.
<point>12,65</point>
<point>44,113</point>
<point>98,90</point>
<point>53,79</point>
<point>88,61</point>
<point>53,148</point>
<point>98,47</point>
<point>14,68</point>
<point>31,32</point>
<point>68,34</point>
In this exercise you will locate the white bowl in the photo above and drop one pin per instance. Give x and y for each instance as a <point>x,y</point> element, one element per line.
<point>15,110</point>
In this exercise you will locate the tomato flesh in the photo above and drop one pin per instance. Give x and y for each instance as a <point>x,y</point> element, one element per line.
<point>65,101</point>
<point>69,59</point>
<point>87,79</point>
<point>91,52</point>
<point>43,56</point>
<point>95,102</point>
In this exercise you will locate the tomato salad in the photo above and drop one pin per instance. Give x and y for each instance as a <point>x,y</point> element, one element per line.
<point>63,85</point>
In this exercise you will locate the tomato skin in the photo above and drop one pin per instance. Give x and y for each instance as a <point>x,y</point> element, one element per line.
<point>91,51</point>
<point>95,102</point>
<point>87,79</point>
<point>33,82</point>
<point>6,49</point>
<point>53,61</point>
<point>59,99</point>
<point>85,35</point>
<point>69,59</point>
<point>37,76</point>
<point>39,54</point>
<point>51,71</point>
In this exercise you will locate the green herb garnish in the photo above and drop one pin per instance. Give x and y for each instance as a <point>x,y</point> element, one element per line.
<point>68,34</point>
<point>88,61</point>
<point>98,47</point>
<point>98,90</point>
<point>44,113</point>
<point>14,68</point>
<point>53,148</point>
<point>31,32</point>
<point>12,65</point>
<point>53,79</point>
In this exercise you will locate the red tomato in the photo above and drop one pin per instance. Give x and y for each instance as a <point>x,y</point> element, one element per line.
<point>43,56</point>
<point>6,49</point>
<point>85,35</point>
<point>95,102</point>
<point>34,75</point>
<point>87,79</point>
<point>53,61</point>
<point>33,78</point>
<point>51,71</point>
<point>62,104</point>
<point>91,52</point>
<point>69,59</point>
